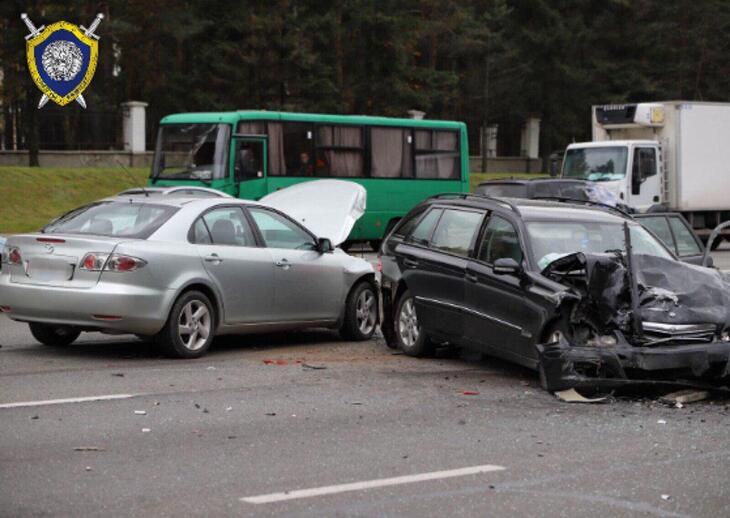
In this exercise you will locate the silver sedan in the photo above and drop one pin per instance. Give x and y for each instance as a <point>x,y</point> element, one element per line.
<point>182,270</point>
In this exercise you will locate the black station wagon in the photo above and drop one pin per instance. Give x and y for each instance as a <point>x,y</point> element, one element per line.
<point>585,295</point>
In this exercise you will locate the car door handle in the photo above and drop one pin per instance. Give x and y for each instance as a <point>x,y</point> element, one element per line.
<point>410,263</point>
<point>472,278</point>
<point>283,263</point>
<point>213,258</point>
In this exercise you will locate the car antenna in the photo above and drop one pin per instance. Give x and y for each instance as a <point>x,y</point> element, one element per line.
<point>129,174</point>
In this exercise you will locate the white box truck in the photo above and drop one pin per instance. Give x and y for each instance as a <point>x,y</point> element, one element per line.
<point>661,156</point>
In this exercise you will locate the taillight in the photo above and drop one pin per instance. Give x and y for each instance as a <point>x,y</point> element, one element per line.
<point>95,262</point>
<point>123,263</point>
<point>14,256</point>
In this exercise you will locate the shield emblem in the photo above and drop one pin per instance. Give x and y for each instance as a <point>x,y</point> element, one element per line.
<point>62,61</point>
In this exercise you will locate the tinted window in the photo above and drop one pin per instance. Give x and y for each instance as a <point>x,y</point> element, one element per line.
<point>279,232</point>
<point>226,226</point>
<point>644,162</point>
<point>391,153</point>
<point>500,241</point>
<point>686,243</point>
<point>339,151</point>
<point>455,231</point>
<point>660,227</point>
<point>422,233</point>
<point>408,223</point>
<point>123,219</point>
<point>505,190</point>
<point>437,154</point>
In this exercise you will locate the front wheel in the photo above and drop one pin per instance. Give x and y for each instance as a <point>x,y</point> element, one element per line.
<point>411,339</point>
<point>190,327</point>
<point>53,336</point>
<point>361,313</point>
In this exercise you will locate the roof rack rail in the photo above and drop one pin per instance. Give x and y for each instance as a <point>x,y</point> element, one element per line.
<point>471,195</point>
<point>584,202</point>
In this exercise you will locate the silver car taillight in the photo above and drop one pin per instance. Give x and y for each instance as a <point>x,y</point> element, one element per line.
<point>96,262</point>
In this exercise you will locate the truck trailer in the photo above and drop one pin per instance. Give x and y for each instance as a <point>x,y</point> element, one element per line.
<point>661,156</point>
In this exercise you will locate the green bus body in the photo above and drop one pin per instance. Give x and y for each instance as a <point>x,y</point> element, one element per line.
<point>389,198</point>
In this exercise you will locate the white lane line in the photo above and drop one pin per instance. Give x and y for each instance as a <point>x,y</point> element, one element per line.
<point>22,404</point>
<point>369,484</point>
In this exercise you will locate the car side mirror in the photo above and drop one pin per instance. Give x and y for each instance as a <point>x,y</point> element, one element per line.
<point>506,266</point>
<point>324,245</point>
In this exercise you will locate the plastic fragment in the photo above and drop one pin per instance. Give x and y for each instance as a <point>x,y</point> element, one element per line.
<point>88,448</point>
<point>666,497</point>
<point>470,393</point>
<point>661,421</point>
<point>573,396</point>
<point>313,367</point>
<point>276,362</point>
<point>140,412</point>
<point>88,468</point>
<point>146,430</point>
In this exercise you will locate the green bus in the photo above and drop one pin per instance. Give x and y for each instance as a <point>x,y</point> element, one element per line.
<point>249,154</point>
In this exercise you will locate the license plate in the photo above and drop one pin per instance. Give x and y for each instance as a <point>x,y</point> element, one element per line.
<point>47,270</point>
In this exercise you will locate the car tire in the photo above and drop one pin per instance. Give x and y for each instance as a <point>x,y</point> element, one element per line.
<point>53,336</point>
<point>409,335</point>
<point>361,313</point>
<point>190,327</point>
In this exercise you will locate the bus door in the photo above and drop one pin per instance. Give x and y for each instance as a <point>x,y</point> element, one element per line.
<point>250,166</point>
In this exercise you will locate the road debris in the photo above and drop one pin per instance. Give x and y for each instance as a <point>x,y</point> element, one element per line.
<point>88,468</point>
<point>34,417</point>
<point>682,397</point>
<point>470,393</point>
<point>140,412</point>
<point>661,421</point>
<point>666,497</point>
<point>146,430</point>
<point>276,362</point>
<point>270,414</point>
<point>229,408</point>
<point>313,367</point>
<point>118,374</point>
<point>88,448</point>
<point>573,396</point>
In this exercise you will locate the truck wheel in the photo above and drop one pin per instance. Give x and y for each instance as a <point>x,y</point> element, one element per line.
<point>361,313</point>
<point>411,338</point>
<point>190,327</point>
<point>53,336</point>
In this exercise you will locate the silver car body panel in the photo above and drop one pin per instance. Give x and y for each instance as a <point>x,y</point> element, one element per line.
<point>329,208</point>
<point>251,293</point>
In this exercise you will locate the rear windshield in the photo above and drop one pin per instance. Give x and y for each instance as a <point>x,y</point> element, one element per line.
<point>115,219</point>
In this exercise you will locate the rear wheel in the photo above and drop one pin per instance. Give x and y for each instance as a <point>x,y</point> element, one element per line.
<point>361,313</point>
<point>411,339</point>
<point>189,330</point>
<point>52,335</point>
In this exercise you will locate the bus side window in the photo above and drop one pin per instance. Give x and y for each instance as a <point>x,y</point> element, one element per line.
<point>437,154</point>
<point>339,151</point>
<point>298,149</point>
<point>391,153</point>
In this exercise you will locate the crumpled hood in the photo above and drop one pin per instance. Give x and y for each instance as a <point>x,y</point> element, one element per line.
<point>329,208</point>
<point>670,291</point>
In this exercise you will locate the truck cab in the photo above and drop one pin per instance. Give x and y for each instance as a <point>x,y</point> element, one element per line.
<point>631,169</point>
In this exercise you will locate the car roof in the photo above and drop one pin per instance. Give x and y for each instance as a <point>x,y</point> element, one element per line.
<point>534,209</point>
<point>181,201</point>
<point>171,191</point>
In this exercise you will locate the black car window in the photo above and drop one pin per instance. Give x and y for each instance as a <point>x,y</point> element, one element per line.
<point>280,232</point>
<point>500,241</point>
<point>422,233</point>
<point>455,231</point>
<point>686,243</point>
<point>406,225</point>
<point>226,226</point>
<point>660,227</point>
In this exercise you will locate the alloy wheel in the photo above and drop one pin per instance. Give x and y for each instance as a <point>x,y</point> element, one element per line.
<point>408,327</point>
<point>365,311</point>
<point>194,325</point>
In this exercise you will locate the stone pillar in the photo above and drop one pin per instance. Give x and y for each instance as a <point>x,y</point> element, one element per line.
<point>492,140</point>
<point>133,126</point>
<point>531,138</point>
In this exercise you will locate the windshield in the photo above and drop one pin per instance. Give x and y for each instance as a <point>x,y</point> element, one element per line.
<point>191,152</point>
<point>122,219</point>
<point>554,239</point>
<point>597,164</point>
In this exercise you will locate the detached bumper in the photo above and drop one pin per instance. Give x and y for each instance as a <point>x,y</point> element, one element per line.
<point>139,310</point>
<point>567,366</point>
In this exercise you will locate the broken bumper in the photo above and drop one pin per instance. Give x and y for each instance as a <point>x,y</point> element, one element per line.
<point>567,366</point>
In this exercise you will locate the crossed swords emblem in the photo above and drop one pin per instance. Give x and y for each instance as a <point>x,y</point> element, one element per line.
<point>36,31</point>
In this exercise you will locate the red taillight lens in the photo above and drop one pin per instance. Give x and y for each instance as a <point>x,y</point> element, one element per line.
<point>93,262</point>
<point>123,263</point>
<point>14,256</point>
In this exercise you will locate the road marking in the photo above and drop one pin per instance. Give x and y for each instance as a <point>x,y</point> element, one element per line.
<point>22,404</point>
<point>369,484</point>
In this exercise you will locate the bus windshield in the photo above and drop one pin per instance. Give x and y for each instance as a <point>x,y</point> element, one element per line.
<point>191,152</point>
<point>597,164</point>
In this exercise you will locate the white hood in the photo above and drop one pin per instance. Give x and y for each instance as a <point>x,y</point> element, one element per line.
<point>329,208</point>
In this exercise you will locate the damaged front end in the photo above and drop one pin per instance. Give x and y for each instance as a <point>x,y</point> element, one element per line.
<point>637,320</point>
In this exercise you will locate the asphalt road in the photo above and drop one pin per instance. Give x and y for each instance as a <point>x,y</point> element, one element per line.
<point>195,437</point>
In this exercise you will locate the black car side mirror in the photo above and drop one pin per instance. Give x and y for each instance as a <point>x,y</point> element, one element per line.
<point>324,245</point>
<point>506,266</point>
